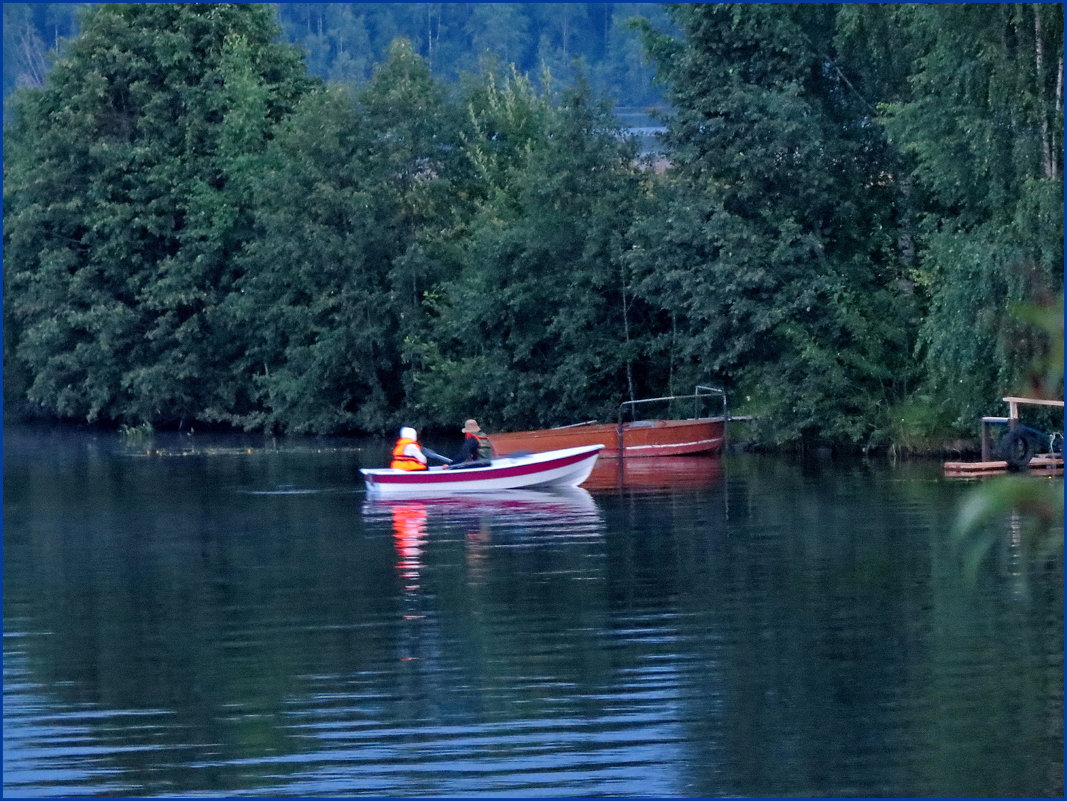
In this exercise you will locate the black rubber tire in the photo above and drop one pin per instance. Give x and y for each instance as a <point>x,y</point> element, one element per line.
<point>1016,449</point>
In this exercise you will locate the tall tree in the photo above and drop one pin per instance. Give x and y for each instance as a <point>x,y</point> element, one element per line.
<point>310,304</point>
<point>349,196</point>
<point>982,126</point>
<point>528,331</point>
<point>124,203</point>
<point>771,256</point>
<point>419,168</point>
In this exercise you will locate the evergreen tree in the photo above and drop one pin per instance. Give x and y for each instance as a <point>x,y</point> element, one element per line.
<point>771,257</point>
<point>334,275</point>
<point>529,332</point>
<point>125,204</point>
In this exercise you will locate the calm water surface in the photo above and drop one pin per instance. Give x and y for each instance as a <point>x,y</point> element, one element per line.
<point>195,616</point>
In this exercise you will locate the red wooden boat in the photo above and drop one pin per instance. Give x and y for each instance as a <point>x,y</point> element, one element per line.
<point>632,438</point>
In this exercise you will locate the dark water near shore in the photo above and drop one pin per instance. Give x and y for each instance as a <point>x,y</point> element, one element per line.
<point>233,617</point>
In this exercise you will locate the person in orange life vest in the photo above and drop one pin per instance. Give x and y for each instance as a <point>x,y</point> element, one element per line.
<point>407,453</point>
<point>476,445</point>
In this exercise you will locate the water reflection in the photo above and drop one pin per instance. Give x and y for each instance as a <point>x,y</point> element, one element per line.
<point>482,523</point>
<point>173,629</point>
<point>409,534</point>
<point>484,520</point>
<point>571,513</point>
<point>672,472</point>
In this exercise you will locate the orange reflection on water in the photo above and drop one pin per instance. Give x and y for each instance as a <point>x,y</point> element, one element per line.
<point>409,536</point>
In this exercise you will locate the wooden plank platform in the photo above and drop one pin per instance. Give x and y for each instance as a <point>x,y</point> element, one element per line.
<point>1044,464</point>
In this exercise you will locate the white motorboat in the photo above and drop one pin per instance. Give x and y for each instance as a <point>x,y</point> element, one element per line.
<point>567,467</point>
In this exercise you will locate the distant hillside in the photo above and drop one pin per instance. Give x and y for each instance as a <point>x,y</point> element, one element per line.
<point>344,41</point>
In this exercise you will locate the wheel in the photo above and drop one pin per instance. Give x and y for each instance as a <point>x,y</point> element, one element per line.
<point>1016,449</point>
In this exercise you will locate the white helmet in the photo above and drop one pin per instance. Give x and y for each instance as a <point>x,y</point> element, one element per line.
<point>407,432</point>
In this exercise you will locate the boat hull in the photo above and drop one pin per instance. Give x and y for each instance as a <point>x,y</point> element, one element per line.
<point>566,467</point>
<point>644,438</point>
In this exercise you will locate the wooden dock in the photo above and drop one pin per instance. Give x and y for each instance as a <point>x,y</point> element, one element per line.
<point>1043,464</point>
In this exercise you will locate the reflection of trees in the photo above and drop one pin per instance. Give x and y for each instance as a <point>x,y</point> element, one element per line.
<point>786,630</point>
<point>552,541</point>
<point>831,643</point>
<point>153,584</point>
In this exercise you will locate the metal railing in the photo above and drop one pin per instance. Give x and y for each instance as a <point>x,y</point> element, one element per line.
<point>700,393</point>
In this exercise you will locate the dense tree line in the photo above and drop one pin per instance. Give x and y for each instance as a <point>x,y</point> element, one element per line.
<point>343,42</point>
<point>859,201</point>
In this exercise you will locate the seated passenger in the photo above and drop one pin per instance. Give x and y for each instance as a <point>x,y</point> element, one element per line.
<point>476,446</point>
<point>407,453</point>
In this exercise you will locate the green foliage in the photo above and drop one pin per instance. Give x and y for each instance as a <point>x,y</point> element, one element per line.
<point>917,425</point>
<point>528,330</point>
<point>858,201</point>
<point>332,279</point>
<point>1033,508</point>
<point>125,204</point>
<point>307,305</point>
<point>772,251</point>
<point>974,347</point>
<point>982,127</point>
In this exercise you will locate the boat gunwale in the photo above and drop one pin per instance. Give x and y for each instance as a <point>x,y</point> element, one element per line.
<point>518,466</point>
<point>690,436</point>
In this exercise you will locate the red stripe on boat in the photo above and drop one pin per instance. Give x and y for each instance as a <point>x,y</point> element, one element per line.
<point>474,474</point>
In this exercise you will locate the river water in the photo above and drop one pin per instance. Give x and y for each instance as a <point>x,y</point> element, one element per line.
<point>198,616</point>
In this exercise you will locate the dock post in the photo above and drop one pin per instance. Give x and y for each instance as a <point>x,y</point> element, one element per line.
<point>987,442</point>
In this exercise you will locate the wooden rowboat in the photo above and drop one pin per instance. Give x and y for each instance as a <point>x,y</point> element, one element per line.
<point>641,438</point>
<point>567,467</point>
<point>633,438</point>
